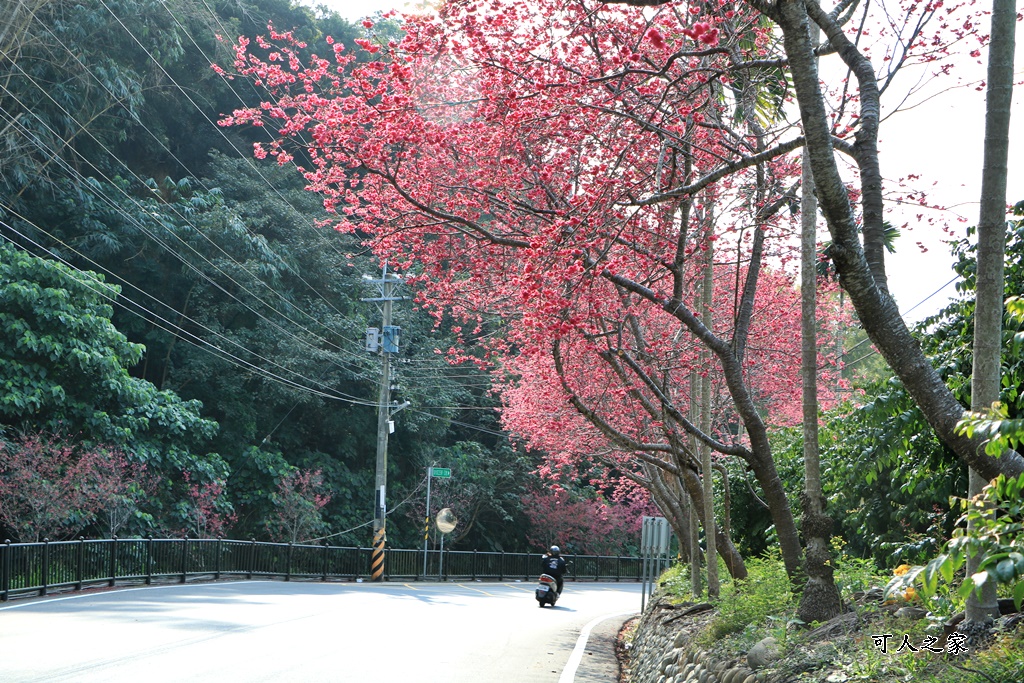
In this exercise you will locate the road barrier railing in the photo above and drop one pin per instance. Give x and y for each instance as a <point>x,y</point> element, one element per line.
<point>39,568</point>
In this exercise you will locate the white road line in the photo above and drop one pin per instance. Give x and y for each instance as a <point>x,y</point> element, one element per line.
<point>569,672</point>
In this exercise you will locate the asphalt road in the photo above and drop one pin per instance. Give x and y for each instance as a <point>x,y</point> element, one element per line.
<point>284,632</point>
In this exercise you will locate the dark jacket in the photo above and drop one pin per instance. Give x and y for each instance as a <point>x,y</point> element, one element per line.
<point>554,566</point>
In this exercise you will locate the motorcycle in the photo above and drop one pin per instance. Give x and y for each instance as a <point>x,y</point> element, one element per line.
<point>547,590</point>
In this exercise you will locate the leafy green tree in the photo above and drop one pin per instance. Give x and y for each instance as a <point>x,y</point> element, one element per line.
<point>64,368</point>
<point>485,492</point>
<point>883,456</point>
<point>993,534</point>
<point>64,364</point>
<point>227,293</point>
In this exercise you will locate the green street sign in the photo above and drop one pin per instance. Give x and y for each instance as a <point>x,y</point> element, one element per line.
<point>441,472</point>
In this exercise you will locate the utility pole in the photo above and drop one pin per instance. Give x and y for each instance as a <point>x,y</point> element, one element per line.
<point>426,525</point>
<point>386,342</point>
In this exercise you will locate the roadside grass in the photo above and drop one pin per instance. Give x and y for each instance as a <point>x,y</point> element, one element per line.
<point>847,648</point>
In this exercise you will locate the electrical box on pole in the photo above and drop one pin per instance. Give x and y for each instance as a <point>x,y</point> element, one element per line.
<point>372,339</point>
<point>390,338</point>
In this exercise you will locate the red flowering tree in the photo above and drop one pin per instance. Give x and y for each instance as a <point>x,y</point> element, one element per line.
<point>53,488</point>
<point>584,526</point>
<point>873,52</point>
<point>628,396</point>
<point>568,167</point>
<point>298,502</point>
<point>520,174</point>
<point>203,508</point>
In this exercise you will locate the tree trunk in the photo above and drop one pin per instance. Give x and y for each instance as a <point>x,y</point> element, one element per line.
<point>988,309</point>
<point>695,579</point>
<point>726,501</point>
<point>696,494</point>
<point>683,533</point>
<point>671,499</point>
<point>820,600</point>
<point>875,308</point>
<point>726,548</point>
<point>707,290</point>
<point>759,456</point>
<point>681,501</point>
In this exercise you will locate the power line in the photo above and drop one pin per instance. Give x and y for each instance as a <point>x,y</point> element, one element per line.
<point>952,280</point>
<point>103,195</point>
<point>460,423</point>
<point>199,232</point>
<point>227,83</point>
<point>189,337</point>
<point>317,233</point>
<point>168,325</point>
<point>366,524</point>
<point>176,329</point>
<point>902,315</point>
<point>173,328</point>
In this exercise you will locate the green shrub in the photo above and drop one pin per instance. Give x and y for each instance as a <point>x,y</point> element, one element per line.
<point>854,574</point>
<point>765,595</point>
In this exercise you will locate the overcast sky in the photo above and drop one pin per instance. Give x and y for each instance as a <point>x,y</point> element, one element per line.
<point>939,140</point>
<point>357,9</point>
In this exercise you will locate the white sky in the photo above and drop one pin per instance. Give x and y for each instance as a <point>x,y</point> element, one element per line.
<point>357,9</point>
<point>940,140</point>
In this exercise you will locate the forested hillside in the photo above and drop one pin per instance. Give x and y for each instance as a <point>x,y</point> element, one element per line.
<point>172,309</point>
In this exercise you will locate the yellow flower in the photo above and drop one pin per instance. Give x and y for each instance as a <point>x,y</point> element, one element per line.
<point>901,570</point>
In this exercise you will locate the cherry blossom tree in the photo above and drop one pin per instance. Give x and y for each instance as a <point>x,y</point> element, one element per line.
<point>565,166</point>
<point>298,502</point>
<point>203,508</point>
<point>52,487</point>
<point>585,526</point>
<point>519,166</point>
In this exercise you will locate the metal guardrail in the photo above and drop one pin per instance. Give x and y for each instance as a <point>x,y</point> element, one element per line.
<point>27,568</point>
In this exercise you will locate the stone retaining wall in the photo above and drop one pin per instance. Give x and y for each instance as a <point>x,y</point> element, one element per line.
<point>662,650</point>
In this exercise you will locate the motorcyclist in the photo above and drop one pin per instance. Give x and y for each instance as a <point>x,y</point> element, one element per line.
<point>553,565</point>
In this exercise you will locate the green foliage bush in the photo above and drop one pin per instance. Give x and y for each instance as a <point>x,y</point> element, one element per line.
<point>764,606</point>
<point>853,573</point>
<point>881,456</point>
<point>995,518</point>
<point>766,595</point>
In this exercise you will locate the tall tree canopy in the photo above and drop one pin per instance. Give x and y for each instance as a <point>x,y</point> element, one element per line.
<point>541,164</point>
<point>565,165</point>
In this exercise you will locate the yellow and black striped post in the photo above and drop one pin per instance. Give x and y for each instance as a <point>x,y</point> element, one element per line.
<point>377,555</point>
<point>426,536</point>
<point>426,523</point>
